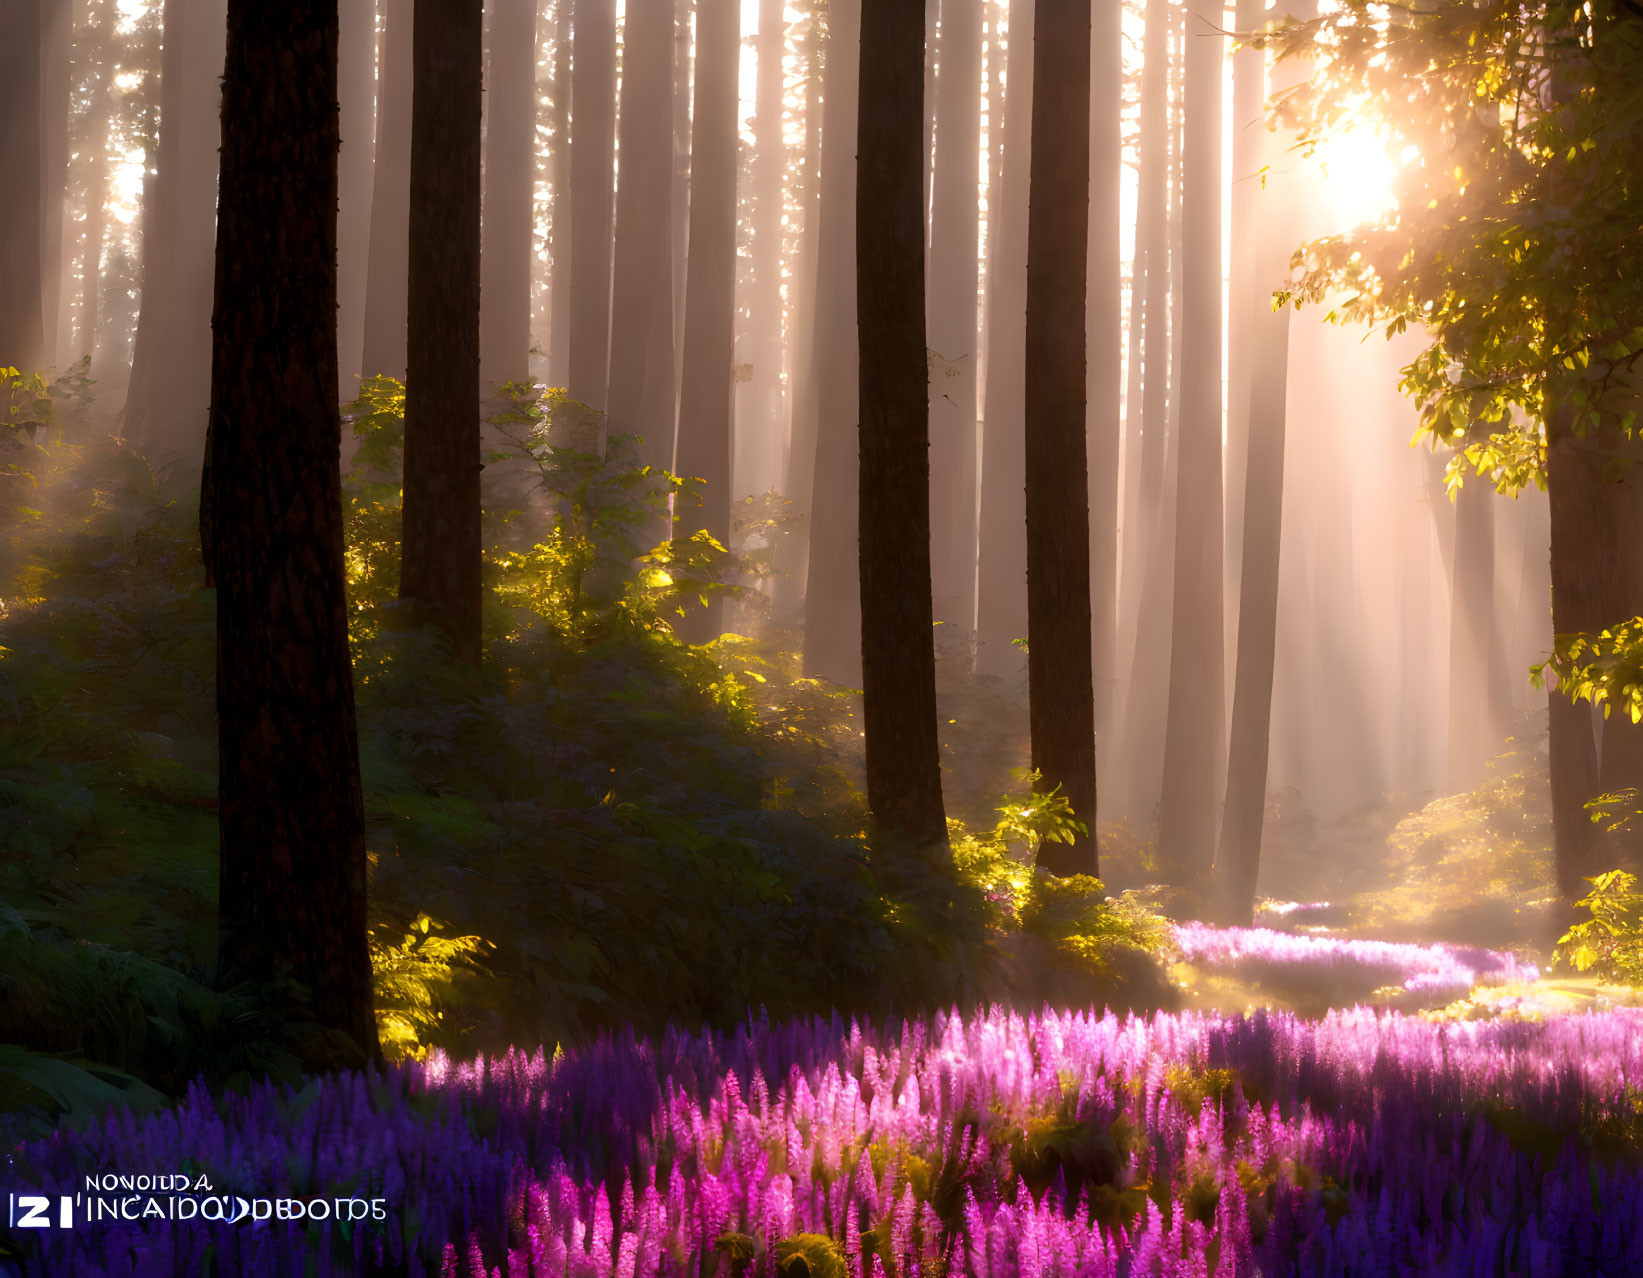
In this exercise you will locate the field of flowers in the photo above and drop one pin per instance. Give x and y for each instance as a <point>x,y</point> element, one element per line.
<point>1364,1142</point>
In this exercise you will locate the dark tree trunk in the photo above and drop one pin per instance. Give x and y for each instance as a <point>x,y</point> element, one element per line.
<point>642,356</point>
<point>385,285</point>
<point>954,232</point>
<point>593,133</point>
<point>441,553</point>
<point>897,644</point>
<point>171,371</point>
<point>1106,345</point>
<point>1061,695</point>
<point>1196,716</point>
<point>357,50</point>
<point>832,598</point>
<point>510,200</point>
<point>22,236</point>
<point>293,874</point>
<point>1001,603</point>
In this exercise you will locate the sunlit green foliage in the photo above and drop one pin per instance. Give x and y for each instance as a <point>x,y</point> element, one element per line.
<point>1515,238</point>
<point>1610,942</point>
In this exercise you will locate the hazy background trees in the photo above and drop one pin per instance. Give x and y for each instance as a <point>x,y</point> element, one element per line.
<point>1283,602</point>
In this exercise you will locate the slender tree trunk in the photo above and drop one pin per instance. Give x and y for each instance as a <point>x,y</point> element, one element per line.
<point>832,600</point>
<point>792,551</point>
<point>593,130</point>
<point>897,644</point>
<point>1104,325</point>
<point>761,423</point>
<point>1001,605</point>
<point>55,107</point>
<point>293,875</point>
<point>1247,304</point>
<point>704,445</point>
<point>385,282</point>
<point>510,171</point>
<point>1192,742</point>
<point>170,380</point>
<point>22,236</point>
<point>1476,724</point>
<point>642,358</point>
<point>559,219</point>
<point>1148,561</point>
<point>683,27</point>
<point>441,556</point>
<point>1061,695</point>
<point>99,115</point>
<point>357,54</point>
<point>954,235</point>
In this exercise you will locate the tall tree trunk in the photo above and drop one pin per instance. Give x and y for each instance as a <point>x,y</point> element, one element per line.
<point>1271,228</point>
<point>897,642</point>
<point>1476,721</point>
<point>1104,325</point>
<point>292,821</point>
<point>167,405</point>
<point>703,450</point>
<point>1192,741</point>
<point>22,236</point>
<point>55,107</point>
<point>357,60</point>
<point>683,27</point>
<point>441,552</point>
<point>1247,304</point>
<point>559,218</point>
<point>642,358</point>
<point>954,234</point>
<point>1148,562</point>
<point>100,54</point>
<point>510,173</point>
<point>593,131</point>
<point>1061,695</point>
<point>792,551</point>
<point>385,282</point>
<point>1001,604</point>
<point>832,599</point>
<point>761,423</point>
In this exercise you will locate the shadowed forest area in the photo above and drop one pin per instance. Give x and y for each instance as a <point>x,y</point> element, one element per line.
<point>821,638</point>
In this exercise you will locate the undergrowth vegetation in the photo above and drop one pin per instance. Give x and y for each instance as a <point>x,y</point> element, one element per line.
<point>602,827</point>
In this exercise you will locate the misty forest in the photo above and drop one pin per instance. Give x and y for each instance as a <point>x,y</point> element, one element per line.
<point>821,637</point>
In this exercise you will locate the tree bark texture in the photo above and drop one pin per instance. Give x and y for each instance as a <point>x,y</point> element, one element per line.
<point>1061,703</point>
<point>292,886</point>
<point>357,86</point>
<point>440,544</point>
<point>897,641</point>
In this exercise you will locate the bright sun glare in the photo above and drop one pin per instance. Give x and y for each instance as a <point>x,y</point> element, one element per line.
<point>1358,175</point>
